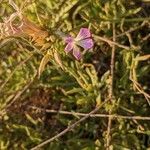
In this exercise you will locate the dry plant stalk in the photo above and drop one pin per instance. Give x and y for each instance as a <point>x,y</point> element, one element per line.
<point>112,67</point>
<point>116,116</point>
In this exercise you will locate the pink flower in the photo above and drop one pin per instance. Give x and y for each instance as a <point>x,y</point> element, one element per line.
<point>83,40</point>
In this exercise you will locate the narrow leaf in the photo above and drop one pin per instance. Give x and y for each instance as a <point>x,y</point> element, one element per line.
<point>58,59</point>
<point>142,58</point>
<point>43,63</point>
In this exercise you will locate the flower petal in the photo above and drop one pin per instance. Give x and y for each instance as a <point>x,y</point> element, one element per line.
<point>83,34</point>
<point>76,52</point>
<point>86,44</point>
<point>69,47</point>
<point>69,39</point>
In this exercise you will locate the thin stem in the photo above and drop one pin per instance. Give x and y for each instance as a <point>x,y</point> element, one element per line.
<point>69,127</point>
<point>112,67</point>
<point>92,115</point>
<point>125,20</point>
<point>111,43</point>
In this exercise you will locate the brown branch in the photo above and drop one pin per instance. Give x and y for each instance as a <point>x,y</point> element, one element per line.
<point>69,127</point>
<point>112,67</point>
<point>92,115</point>
<point>111,43</point>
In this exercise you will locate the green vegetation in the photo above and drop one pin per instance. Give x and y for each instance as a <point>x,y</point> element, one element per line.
<point>38,79</point>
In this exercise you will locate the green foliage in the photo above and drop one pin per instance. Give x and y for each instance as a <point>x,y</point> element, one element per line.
<point>36,72</point>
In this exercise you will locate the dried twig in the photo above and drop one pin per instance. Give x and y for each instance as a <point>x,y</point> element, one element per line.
<point>140,89</point>
<point>111,43</point>
<point>69,127</point>
<point>145,38</point>
<point>92,115</point>
<point>133,78</point>
<point>108,137</point>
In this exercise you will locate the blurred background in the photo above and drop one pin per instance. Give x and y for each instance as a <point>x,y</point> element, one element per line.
<point>42,88</point>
